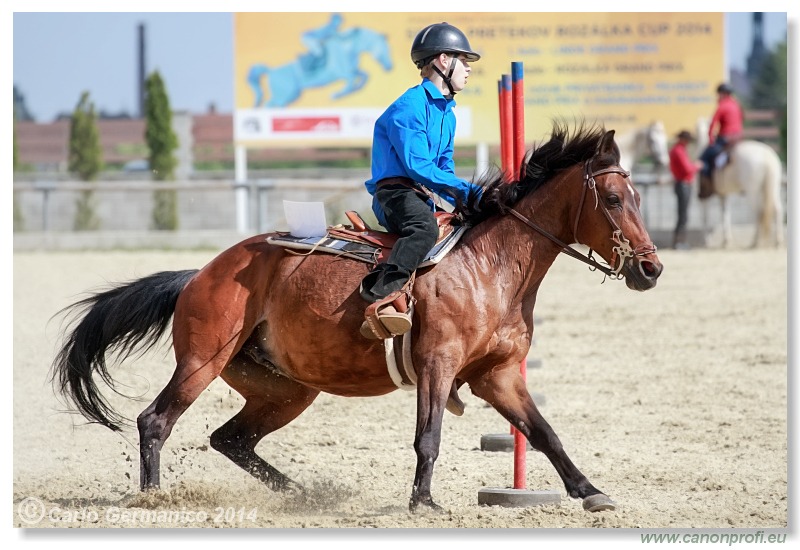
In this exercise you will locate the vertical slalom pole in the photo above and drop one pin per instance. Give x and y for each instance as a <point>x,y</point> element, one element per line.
<point>501,113</point>
<point>518,134</point>
<point>512,154</point>
<point>506,128</point>
<point>518,111</point>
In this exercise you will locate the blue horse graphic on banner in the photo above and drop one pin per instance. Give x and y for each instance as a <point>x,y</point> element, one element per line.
<point>337,57</point>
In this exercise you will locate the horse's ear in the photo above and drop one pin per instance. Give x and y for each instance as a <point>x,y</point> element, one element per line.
<point>606,143</point>
<point>608,146</point>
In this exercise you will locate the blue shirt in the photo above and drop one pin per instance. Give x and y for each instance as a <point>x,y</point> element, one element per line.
<point>413,138</point>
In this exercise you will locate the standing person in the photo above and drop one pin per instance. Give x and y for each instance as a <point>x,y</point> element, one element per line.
<point>412,156</point>
<point>725,128</point>
<point>684,171</point>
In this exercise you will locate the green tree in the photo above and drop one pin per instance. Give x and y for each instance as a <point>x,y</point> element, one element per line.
<point>770,89</point>
<point>161,143</point>
<point>85,160</point>
<point>85,152</point>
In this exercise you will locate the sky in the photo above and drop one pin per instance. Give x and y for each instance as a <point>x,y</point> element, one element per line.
<point>58,55</point>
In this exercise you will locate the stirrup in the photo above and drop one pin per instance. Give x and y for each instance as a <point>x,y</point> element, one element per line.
<point>384,319</point>
<point>390,316</point>
<point>394,321</point>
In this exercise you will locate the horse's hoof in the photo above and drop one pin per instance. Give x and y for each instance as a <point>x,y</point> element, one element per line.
<point>598,503</point>
<point>427,505</point>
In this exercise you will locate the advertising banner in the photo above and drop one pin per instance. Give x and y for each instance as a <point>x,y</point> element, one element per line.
<point>322,79</point>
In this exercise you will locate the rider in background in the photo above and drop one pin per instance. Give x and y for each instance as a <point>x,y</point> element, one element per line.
<point>725,128</point>
<point>412,157</point>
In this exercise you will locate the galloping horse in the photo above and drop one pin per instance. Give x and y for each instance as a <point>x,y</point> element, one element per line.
<point>753,170</point>
<point>340,59</point>
<point>281,328</point>
<point>650,140</point>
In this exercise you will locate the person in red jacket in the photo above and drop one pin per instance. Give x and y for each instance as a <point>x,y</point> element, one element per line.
<point>726,127</point>
<point>683,170</point>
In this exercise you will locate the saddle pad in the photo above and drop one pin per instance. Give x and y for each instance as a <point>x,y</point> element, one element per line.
<point>361,251</point>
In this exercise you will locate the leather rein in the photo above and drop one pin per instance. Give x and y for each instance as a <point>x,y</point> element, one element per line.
<point>622,251</point>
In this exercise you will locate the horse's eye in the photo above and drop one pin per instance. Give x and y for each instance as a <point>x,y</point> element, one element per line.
<point>612,200</point>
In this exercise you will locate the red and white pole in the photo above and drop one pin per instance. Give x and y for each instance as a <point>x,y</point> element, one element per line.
<point>506,128</point>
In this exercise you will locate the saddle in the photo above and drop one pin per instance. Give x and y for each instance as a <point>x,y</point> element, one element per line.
<point>720,161</point>
<point>361,242</point>
<point>361,232</point>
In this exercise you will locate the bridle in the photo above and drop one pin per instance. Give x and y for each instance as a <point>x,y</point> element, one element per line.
<point>619,253</point>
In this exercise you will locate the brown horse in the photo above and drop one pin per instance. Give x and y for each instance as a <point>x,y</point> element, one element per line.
<point>280,328</point>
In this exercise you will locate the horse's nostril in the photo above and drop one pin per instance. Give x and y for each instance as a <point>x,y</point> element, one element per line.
<point>649,269</point>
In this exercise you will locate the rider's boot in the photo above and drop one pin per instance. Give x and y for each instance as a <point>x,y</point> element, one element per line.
<point>706,185</point>
<point>390,316</point>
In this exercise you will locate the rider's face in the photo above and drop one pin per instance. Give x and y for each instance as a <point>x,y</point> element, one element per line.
<point>460,73</point>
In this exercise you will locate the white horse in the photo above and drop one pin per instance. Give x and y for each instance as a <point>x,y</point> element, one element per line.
<point>649,141</point>
<point>754,171</point>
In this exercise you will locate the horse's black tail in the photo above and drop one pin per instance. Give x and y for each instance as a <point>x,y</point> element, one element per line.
<point>118,319</point>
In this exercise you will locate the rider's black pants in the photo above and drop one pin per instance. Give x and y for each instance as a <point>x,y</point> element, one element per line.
<point>409,216</point>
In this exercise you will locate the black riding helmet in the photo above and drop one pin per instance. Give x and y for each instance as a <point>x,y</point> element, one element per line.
<point>441,38</point>
<point>437,38</point>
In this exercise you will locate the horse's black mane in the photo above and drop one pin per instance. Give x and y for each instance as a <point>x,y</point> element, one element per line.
<point>564,150</point>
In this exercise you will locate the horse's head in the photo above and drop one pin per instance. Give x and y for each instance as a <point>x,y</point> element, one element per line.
<point>609,222</point>
<point>701,134</point>
<point>597,205</point>
<point>377,45</point>
<point>657,146</point>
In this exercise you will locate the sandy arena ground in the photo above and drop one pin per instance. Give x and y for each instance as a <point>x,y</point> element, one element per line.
<point>672,401</point>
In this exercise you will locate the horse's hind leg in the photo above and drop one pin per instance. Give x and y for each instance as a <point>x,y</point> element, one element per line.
<point>272,401</point>
<point>155,423</point>
<point>777,220</point>
<point>505,390</point>
<point>204,341</point>
<point>770,223</point>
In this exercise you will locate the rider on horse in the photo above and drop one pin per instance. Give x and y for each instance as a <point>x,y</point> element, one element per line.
<point>412,157</point>
<point>315,39</point>
<point>728,121</point>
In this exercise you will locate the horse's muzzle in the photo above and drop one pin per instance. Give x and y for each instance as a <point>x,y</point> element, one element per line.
<point>642,273</point>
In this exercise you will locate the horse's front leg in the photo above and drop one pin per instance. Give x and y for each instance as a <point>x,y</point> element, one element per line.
<point>433,389</point>
<point>727,231</point>
<point>354,83</point>
<point>706,204</point>
<point>504,389</point>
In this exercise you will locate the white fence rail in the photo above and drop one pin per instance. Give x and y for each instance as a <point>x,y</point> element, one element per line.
<point>208,213</point>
